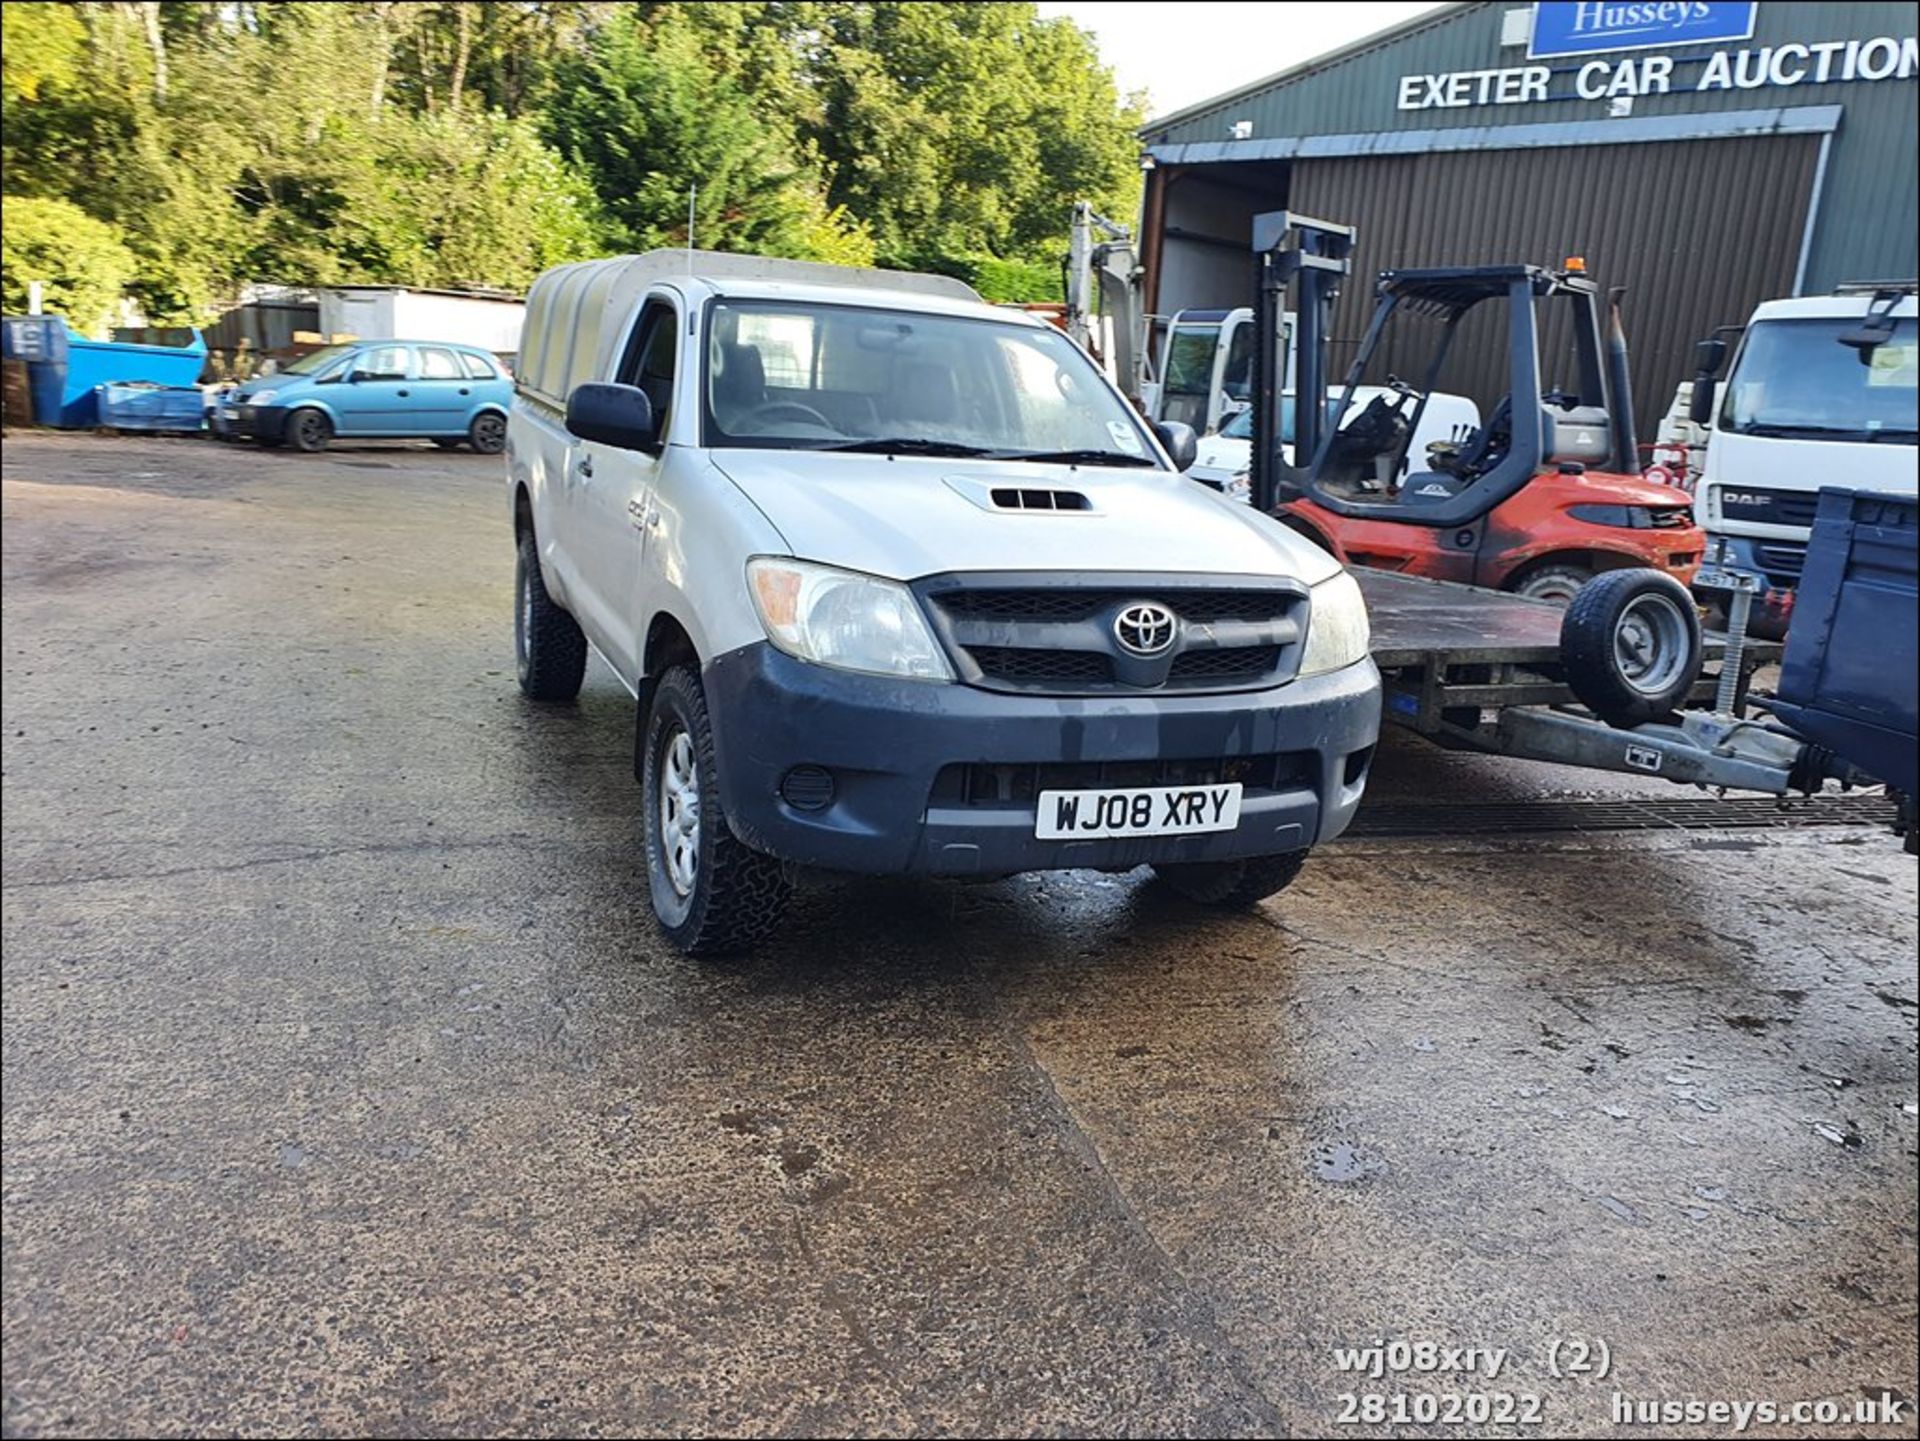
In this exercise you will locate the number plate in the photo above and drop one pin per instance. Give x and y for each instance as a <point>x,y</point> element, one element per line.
<point>1140,811</point>
<point>227,412</point>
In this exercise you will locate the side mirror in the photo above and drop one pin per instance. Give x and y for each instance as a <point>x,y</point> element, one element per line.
<point>1709,356</point>
<point>1179,441</point>
<point>616,415</point>
<point>1700,406</point>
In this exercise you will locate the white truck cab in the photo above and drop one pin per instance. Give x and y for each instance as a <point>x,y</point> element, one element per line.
<point>1822,392</point>
<point>901,583</point>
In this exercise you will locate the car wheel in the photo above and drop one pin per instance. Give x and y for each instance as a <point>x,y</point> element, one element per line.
<point>1557,583</point>
<point>488,433</point>
<point>1232,885</point>
<point>550,651</point>
<point>308,430</point>
<point>711,894</point>
<point>1630,645</point>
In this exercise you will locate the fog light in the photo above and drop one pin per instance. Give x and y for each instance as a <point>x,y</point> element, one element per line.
<point>807,788</point>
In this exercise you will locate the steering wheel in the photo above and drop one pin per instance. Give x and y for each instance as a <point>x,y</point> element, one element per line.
<point>773,409</point>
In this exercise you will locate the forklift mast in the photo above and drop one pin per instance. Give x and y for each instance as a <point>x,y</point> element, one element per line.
<point>1525,434</point>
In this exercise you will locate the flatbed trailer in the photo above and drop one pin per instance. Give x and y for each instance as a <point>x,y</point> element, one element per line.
<point>1475,669</point>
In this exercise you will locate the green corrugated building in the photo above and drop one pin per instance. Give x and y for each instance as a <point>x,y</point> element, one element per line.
<point>1705,156</point>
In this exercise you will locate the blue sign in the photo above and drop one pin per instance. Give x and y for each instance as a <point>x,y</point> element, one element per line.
<point>1580,27</point>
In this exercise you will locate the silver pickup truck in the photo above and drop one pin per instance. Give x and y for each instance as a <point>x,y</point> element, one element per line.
<point>901,583</point>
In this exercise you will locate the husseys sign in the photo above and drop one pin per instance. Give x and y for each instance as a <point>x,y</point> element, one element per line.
<point>1574,29</point>
<point>1589,25</point>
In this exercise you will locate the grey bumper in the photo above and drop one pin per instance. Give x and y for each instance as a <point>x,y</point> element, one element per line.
<point>939,778</point>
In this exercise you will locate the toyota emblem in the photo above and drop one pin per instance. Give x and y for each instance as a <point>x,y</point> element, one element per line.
<point>1144,628</point>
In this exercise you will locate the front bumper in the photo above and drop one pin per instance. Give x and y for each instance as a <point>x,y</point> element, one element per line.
<point>903,755</point>
<point>255,422</point>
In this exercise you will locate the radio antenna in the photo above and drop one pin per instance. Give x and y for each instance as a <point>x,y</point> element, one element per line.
<point>693,195</point>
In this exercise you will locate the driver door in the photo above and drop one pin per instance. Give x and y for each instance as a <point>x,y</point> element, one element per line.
<point>612,495</point>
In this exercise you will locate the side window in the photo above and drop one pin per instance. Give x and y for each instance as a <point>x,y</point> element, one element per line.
<point>387,362</point>
<point>437,364</point>
<point>650,358</point>
<point>478,367</point>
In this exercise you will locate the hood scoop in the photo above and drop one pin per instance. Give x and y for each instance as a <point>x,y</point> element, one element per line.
<point>1032,499</point>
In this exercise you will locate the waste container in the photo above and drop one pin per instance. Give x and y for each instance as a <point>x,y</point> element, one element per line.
<point>65,370</point>
<point>141,406</point>
<point>40,343</point>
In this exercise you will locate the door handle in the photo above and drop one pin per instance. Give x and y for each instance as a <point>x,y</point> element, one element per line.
<point>586,467</point>
<point>400,393</point>
<point>465,391</point>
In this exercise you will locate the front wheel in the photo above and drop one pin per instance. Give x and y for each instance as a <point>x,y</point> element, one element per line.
<point>1556,583</point>
<point>488,433</point>
<point>308,430</point>
<point>711,894</point>
<point>1232,885</point>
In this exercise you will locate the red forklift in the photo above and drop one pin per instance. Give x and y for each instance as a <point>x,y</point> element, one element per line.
<point>1543,496</point>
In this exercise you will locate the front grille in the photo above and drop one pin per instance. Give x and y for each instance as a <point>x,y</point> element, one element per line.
<point>991,786</point>
<point>1768,507</point>
<point>1200,606</point>
<point>1246,663</point>
<point>1043,633</point>
<point>1782,562</point>
<point>1030,667</point>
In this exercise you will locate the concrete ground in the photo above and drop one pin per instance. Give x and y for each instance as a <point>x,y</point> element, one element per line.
<point>348,1087</point>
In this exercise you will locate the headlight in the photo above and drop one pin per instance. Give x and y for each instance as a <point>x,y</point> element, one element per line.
<point>262,397</point>
<point>1337,633</point>
<point>844,619</point>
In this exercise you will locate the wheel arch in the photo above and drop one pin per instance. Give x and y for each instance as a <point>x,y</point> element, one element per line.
<point>669,642</point>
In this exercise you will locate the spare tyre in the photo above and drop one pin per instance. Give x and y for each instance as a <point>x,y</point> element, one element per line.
<point>1630,645</point>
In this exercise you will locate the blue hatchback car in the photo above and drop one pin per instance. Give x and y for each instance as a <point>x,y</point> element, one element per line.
<point>385,389</point>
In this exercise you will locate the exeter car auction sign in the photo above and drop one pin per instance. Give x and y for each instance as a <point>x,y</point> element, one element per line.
<point>1575,29</point>
<point>1584,26</point>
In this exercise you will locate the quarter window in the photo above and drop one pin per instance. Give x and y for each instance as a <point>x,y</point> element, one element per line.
<point>478,367</point>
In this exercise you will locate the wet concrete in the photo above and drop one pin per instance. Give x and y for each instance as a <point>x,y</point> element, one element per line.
<point>348,1087</point>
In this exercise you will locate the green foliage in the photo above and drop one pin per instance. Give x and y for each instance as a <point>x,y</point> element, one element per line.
<point>471,144</point>
<point>39,46</point>
<point>82,263</point>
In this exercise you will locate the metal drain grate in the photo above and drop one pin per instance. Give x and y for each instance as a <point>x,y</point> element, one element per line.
<point>1696,813</point>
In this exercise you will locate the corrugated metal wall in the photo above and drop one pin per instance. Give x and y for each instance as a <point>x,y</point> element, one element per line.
<point>1699,231</point>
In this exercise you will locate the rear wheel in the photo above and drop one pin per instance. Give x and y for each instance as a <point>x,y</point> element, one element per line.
<point>550,651</point>
<point>1232,885</point>
<point>308,430</point>
<point>711,894</point>
<point>1556,583</point>
<point>1630,645</point>
<point>488,433</point>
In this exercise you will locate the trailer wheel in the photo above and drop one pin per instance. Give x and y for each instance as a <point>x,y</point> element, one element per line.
<point>1630,645</point>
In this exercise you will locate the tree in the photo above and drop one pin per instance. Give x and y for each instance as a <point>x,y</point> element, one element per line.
<point>650,111</point>
<point>82,263</point>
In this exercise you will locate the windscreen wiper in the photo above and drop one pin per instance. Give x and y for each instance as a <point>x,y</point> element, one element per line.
<point>1074,457</point>
<point>904,445</point>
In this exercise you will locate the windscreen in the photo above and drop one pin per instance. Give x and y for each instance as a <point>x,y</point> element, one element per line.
<point>1795,379</point>
<point>315,362</point>
<point>819,377</point>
